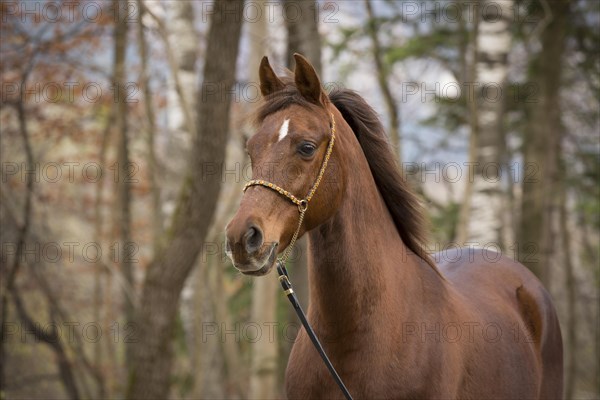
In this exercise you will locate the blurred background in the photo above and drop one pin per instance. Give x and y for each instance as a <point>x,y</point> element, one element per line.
<point>123,126</point>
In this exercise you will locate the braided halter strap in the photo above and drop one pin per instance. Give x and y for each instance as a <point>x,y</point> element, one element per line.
<point>301,203</point>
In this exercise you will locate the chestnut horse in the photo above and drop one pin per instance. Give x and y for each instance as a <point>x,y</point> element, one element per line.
<point>395,325</point>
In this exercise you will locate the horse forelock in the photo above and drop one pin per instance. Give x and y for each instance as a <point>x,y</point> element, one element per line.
<point>281,100</point>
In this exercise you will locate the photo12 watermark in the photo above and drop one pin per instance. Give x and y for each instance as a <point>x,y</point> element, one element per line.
<point>71,252</point>
<point>71,332</point>
<point>71,92</point>
<point>97,12</point>
<point>71,172</point>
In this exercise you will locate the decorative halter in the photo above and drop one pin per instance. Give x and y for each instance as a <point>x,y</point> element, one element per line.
<point>301,203</point>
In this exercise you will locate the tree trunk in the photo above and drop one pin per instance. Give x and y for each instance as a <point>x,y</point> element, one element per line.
<point>151,127</point>
<point>571,284</point>
<point>484,219</point>
<point>541,148</point>
<point>264,352</point>
<point>263,364</point>
<point>219,361</point>
<point>181,40</point>
<point>123,184</point>
<point>210,374</point>
<point>100,267</point>
<point>303,32</point>
<point>469,73</point>
<point>383,77</point>
<point>152,350</point>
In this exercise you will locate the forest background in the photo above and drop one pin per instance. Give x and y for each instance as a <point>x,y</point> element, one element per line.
<point>123,126</point>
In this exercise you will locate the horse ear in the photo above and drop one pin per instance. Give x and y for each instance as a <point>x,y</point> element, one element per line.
<point>269,82</point>
<point>307,81</point>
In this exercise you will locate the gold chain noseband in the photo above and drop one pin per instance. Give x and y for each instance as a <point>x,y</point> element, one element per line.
<point>301,203</point>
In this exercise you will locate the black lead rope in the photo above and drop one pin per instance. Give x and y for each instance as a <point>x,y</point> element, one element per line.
<point>289,292</point>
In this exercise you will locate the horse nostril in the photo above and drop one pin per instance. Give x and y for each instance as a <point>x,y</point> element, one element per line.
<point>253,239</point>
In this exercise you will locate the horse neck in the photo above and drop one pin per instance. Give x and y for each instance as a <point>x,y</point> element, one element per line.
<point>359,268</point>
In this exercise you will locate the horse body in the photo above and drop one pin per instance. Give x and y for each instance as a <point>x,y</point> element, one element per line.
<point>394,328</point>
<point>395,325</point>
<point>459,342</point>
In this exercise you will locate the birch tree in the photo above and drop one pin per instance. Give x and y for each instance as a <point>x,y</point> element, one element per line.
<point>481,216</point>
<point>263,362</point>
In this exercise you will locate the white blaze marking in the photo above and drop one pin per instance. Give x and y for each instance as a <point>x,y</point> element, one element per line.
<point>283,131</point>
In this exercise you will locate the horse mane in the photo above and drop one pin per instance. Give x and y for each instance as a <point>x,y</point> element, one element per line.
<point>404,205</point>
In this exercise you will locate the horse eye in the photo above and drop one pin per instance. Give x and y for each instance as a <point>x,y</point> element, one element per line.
<point>306,149</point>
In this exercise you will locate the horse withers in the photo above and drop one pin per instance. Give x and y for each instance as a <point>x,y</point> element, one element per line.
<point>394,323</point>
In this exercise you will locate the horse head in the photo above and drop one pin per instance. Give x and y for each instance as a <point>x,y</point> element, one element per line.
<point>291,149</point>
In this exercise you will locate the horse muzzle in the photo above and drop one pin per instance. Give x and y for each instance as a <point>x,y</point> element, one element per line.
<point>248,251</point>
